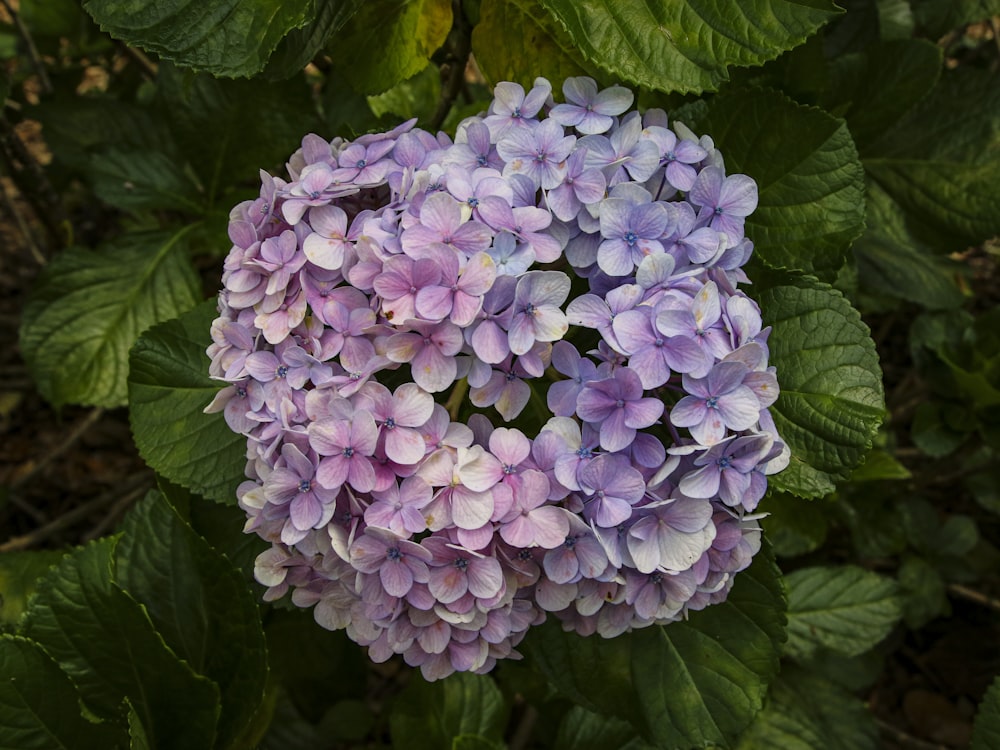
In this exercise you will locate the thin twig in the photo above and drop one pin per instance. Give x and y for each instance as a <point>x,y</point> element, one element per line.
<point>904,739</point>
<point>29,237</point>
<point>36,60</point>
<point>70,517</point>
<point>147,66</point>
<point>972,595</point>
<point>522,734</point>
<point>462,48</point>
<point>66,444</point>
<point>117,509</point>
<point>33,183</point>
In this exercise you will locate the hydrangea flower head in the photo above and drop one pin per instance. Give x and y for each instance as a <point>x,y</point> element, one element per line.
<point>501,378</point>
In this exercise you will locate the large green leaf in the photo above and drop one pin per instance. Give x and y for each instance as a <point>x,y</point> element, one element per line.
<point>895,262</point>
<point>19,575</point>
<point>40,708</point>
<point>297,49</point>
<point>229,130</point>
<point>688,45</point>
<point>874,89</point>
<point>986,729</point>
<point>807,171</point>
<point>685,684</point>
<point>388,41</point>
<point>941,163</point>
<point>831,401</point>
<point>430,715</point>
<point>136,180</point>
<point>516,40</point>
<point>200,604</point>
<point>807,712</point>
<point>104,640</point>
<point>89,306</point>
<point>581,729</point>
<point>843,608</point>
<point>169,388</point>
<point>222,37</point>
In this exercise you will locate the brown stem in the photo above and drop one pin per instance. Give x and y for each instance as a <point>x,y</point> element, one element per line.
<point>36,60</point>
<point>33,183</point>
<point>134,487</point>
<point>461,43</point>
<point>66,444</point>
<point>972,595</point>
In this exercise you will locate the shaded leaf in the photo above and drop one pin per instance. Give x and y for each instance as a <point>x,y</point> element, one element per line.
<point>517,40</point>
<point>806,712</point>
<point>223,37</point>
<point>40,708</point>
<point>19,576</point>
<point>986,729</point>
<point>810,181</point>
<point>301,45</point>
<point>793,525</point>
<point>169,388</point>
<point>683,684</point>
<point>686,46</point>
<point>388,41</point>
<point>135,180</point>
<point>842,608</point>
<point>581,729</point>
<point>874,89</point>
<point>89,306</point>
<point>104,640</point>
<point>229,130</point>
<point>199,603</point>
<point>941,163</point>
<point>430,715</point>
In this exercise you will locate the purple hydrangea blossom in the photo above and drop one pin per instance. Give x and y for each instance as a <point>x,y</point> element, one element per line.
<point>565,264</point>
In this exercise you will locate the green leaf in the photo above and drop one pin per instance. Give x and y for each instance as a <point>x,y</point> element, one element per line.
<point>686,46</point>
<point>924,596</point>
<point>169,388</point>
<point>429,715</point>
<point>19,574</point>
<point>138,737</point>
<point>941,163</point>
<point>89,306</point>
<point>199,603</point>
<point>517,40</point>
<point>810,181</point>
<point>40,708</point>
<point>475,742</point>
<point>894,262</point>
<point>793,525</point>
<point>388,41</point>
<point>874,89</point>
<point>831,401</point>
<point>931,433</point>
<point>844,608</point>
<point>104,640</point>
<point>299,48</point>
<point>415,97</point>
<point>807,712</point>
<point>581,729</point>
<point>684,684</point>
<point>223,37</point>
<point>880,465</point>
<point>137,180</point>
<point>229,130</point>
<point>986,728</point>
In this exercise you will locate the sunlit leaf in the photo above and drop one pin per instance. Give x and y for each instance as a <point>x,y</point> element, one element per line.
<point>89,306</point>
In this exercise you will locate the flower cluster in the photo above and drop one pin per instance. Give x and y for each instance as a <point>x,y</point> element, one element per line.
<point>401,287</point>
